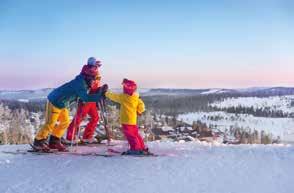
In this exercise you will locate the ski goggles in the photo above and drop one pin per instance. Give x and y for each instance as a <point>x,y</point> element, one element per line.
<point>98,64</point>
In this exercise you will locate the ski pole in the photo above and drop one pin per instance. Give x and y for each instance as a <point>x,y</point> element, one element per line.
<point>79,132</point>
<point>100,116</point>
<point>74,126</point>
<point>105,120</point>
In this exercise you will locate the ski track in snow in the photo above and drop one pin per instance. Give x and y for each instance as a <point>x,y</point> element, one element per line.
<point>190,167</point>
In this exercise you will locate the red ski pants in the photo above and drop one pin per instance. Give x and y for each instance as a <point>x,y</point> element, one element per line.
<point>84,109</point>
<point>131,133</point>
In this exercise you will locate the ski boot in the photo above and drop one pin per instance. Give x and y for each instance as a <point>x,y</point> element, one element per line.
<point>147,152</point>
<point>132,152</point>
<point>144,152</point>
<point>55,143</point>
<point>89,141</point>
<point>100,138</point>
<point>40,145</point>
<point>68,142</point>
<point>63,140</point>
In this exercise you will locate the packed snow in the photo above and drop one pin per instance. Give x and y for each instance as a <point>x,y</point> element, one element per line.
<point>185,167</point>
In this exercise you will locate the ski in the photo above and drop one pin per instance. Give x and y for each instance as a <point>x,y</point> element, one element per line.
<point>17,152</point>
<point>106,154</point>
<point>110,150</point>
<point>25,152</point>
<point>94,144</point>
<point>38,150</point>
<point>120,155</point>
<point>151,155</point>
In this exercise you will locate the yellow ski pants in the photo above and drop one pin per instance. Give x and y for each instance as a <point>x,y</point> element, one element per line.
<point>56,122</point>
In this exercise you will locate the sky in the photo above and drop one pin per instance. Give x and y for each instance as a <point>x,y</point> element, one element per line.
<point>159,44</point>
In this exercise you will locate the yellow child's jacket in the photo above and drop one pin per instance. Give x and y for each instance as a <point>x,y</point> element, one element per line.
<point>129,106</point>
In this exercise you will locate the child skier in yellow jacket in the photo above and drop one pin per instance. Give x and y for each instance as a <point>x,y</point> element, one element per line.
<point>130,106</point>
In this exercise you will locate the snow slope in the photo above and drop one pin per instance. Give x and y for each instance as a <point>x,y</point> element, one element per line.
<point>190,167</point>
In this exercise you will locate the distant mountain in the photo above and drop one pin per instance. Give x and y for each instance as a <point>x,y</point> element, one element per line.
<point>25,95</point>
<point>254,91</point>
<point>271,91</point>
<point>165,91</point>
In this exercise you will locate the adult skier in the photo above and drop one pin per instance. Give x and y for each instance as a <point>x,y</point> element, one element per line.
<point>58,101</point>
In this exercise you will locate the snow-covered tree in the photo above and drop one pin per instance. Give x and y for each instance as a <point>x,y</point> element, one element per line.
<point>5,117</point>
<point>15,126</point>
<point>20,128</point>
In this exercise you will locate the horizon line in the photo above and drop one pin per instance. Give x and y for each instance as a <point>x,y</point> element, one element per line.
<point>171,88</point>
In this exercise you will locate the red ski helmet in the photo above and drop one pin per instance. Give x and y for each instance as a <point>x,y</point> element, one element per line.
<point>129,86</point>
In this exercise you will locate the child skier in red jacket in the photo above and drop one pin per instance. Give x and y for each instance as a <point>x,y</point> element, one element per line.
<point>84,109</point>
<point>130,106</point>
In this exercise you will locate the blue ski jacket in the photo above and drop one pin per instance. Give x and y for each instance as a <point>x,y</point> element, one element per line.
<point>66,94</point>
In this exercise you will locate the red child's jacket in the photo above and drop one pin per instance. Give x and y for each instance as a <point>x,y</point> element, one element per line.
<point>90,71</point>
